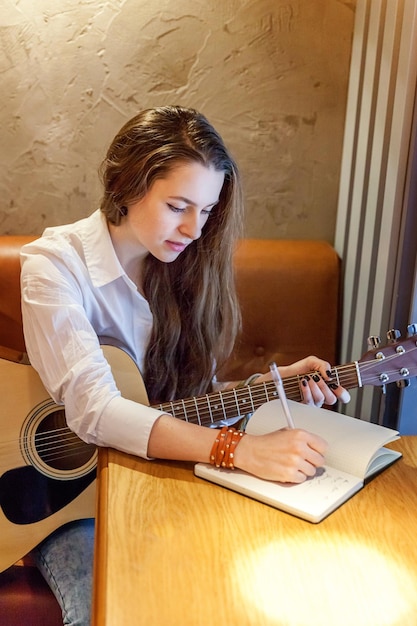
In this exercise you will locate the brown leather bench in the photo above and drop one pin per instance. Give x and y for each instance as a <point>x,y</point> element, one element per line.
<point>289,293</point>
<point>26,600</point>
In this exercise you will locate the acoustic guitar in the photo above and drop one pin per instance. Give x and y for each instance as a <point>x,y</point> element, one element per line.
<point>47,474</point>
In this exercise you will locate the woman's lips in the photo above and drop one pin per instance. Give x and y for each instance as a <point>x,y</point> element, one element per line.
<point>176,246</point>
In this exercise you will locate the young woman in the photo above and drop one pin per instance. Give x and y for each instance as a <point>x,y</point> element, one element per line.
<point>152,271</point>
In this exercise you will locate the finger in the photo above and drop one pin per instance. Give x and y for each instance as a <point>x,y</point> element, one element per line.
<point>317,447</point>
<point>311,393</point>
<point>308,469</point>
<point>307,396</point>
<point>318,391</point>
<point>315,457</point>
<point>305,470</point>
<point>326,388</point>
<point>317,386</point>
<point>340,392</point>
<point>297,476</point>
<point>331,390</point>
<point>324,369</point>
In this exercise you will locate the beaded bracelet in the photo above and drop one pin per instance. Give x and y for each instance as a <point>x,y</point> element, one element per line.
<point>224,446</point>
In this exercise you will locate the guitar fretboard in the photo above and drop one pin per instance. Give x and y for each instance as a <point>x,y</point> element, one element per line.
<point>225,405</point>
<point>214,407</point>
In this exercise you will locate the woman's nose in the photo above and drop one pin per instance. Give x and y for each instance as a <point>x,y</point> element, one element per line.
<point>191,226</point>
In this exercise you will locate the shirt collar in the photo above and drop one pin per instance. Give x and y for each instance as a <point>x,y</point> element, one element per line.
<point>100,257</point>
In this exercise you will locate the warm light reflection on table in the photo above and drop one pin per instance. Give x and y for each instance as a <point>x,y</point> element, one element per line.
<point>175,550</point>
<point>298,583</point>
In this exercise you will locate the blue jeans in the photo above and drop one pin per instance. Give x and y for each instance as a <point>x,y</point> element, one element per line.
<point>65,559</point>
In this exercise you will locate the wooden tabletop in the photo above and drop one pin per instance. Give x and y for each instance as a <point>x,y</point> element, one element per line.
<point>173,549</point>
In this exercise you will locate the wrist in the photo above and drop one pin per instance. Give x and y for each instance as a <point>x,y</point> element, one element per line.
<point>243,454</point>
<point>224,447</point>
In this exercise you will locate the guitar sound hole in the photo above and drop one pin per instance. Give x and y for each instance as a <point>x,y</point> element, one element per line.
<point>27,496</point>
<point>57,446</point>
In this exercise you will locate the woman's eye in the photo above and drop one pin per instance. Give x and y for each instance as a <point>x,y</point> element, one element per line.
<point>175,208</point>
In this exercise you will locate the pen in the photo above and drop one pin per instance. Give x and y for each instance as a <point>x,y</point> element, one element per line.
<point>276,376</point>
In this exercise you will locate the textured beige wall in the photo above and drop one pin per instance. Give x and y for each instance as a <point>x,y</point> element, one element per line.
<point>270,74</point>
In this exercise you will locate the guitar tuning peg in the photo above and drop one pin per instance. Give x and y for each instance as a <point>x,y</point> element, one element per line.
<point>401,384</point>
<point>412,329</point>
<point>374,342</point>
<point>393,335</point>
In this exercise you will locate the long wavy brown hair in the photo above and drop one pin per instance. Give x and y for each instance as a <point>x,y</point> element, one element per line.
<point>193,300</point>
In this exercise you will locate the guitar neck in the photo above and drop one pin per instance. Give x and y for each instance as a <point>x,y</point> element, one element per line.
<point>224,405</point>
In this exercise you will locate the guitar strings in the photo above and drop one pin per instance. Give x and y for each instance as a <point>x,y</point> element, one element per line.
<point>53,445</point>
<point>60,444</point>
<point>64,443</point>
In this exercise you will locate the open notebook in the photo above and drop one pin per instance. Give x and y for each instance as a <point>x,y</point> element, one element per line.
<point>355,453</point>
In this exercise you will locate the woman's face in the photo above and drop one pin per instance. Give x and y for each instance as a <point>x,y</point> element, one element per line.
<point>174,211</point>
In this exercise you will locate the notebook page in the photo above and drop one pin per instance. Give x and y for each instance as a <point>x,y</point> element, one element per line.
<point>351,442</point>
<point>311,500</point>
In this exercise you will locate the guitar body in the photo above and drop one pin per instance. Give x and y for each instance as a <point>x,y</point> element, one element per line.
<point>47,474</point>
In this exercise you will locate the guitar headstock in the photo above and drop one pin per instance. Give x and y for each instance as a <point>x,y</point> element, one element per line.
<point>397,361</point>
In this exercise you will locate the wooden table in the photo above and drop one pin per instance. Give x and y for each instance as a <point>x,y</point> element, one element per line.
<point>175,550</point>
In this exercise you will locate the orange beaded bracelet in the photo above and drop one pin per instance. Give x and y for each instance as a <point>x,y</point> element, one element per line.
<point>223,450</point>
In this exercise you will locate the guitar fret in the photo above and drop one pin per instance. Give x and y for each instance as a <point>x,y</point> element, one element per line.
<point>346,374</point>
<point>358,374</point>
<point>223,409</point>
<point>213,406</point>
<point>196,408</point>
<point>251,399</point>
<point>236,401</point>
<point>184,411</point>
<point>267,395</point>
<point>209,408</point>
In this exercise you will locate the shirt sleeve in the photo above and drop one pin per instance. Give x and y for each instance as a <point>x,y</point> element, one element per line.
<point>64,348</point>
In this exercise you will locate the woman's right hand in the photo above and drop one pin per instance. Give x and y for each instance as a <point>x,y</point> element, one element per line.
<point>287,455</point>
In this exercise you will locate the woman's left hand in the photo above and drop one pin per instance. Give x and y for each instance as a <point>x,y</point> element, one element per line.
<point>317,385</point>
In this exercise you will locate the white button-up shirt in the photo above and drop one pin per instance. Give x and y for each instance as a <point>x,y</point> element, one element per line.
<point>75,291</point>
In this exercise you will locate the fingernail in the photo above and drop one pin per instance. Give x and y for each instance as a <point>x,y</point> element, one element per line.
<point>328,373</point>
<point>304,382</point>
<point>316,378</point>
<point>333,385</point>
<point>345,396</point>
<point>306,377</point>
